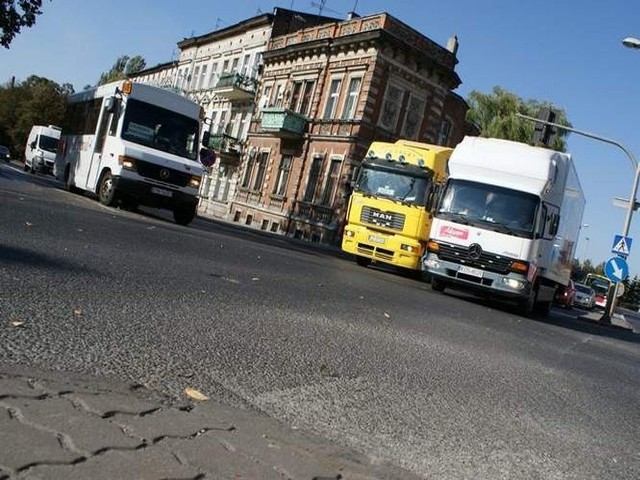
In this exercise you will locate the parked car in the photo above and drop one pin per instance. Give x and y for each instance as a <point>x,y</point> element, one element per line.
<point>564,296</point>
<point>5,153</point>
<point>585,296</point>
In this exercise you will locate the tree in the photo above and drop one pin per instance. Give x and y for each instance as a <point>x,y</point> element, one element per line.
<point>495,115</point>
<point>13,17</point>
<point>36,101</point>
<point>122,68</point>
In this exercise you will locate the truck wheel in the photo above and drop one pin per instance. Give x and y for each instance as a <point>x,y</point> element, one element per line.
<point>437,285</point>
<point>363,261</point>
<point>525,307</point>
<point>107,190</point>
<point>183,214</point>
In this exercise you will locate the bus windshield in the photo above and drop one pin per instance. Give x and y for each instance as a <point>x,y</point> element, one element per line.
<point>161,129</point>
<point>488,206</point>
<point>400,186</point>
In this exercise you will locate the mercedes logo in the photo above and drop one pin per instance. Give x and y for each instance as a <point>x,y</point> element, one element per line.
<point>475,251</point>
<point>164,174</point>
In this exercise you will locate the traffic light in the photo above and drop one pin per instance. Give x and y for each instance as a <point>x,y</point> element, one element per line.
<point>545,134</point>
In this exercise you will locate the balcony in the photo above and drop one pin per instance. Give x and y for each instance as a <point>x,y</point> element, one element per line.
<point>234,86</point>
<point>227,147</point>
<point>283,122</point>
<point>318,214</point>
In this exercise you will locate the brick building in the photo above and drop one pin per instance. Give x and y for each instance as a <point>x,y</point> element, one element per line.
<point>220,71</point>
<point>325,93</point>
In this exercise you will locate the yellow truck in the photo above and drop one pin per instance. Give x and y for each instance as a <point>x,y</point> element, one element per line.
<point>389,217</point>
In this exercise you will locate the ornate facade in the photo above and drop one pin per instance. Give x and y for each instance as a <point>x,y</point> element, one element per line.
<point>324,94</point>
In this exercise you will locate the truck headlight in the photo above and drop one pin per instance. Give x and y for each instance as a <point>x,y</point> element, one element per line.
<point>194,182</point>
<point>513,283</point>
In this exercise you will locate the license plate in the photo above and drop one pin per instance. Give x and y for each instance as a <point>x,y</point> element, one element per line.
<point>376,239</point>
<point>474,272</point>
<point>162,191</point>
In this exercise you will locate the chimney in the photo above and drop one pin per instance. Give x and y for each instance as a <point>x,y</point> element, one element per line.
<point>452,45</point>
<point>352,15</point>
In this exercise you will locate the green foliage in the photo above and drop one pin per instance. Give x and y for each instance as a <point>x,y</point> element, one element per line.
<point>36,101</point>
<point>631,297</point>
<point>15,15</point>
<point>123,67</point>
<point>495,115</point>
<point>580,270</point>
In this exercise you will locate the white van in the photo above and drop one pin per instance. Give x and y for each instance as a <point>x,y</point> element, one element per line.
<point>42,145</point>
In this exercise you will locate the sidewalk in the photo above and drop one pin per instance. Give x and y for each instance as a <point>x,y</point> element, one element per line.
<point>54,426</point>
<point>618,320</point>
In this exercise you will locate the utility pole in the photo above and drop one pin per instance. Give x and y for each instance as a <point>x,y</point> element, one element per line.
<point>611,297</point>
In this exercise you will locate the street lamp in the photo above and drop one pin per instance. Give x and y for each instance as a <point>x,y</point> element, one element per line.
<point>586,249</point>
<point>631,42</point>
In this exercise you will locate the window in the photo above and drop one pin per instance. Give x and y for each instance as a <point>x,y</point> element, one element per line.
<point>413,117</point>
<point>234,65</point>
<point>203,74</point>
<point>445,132</point>
<point>214,74</point>
<point>251,159</point>
<point>314,175</point>
<point>266,93</point>
<point>332,100</point>
<point>279,95</point>
<point>262,167</point>
<point>301,97</point>
<point>194,79</point>
<point>280,187</point>
<point>349,111</point>
<point>245,64</point>
<point>332,181</point>
<point>391,107</point>
<point>222,125</point>
<point>225,66</point>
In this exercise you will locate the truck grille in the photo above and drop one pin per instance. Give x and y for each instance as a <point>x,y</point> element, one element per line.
<point>163,174</point>
<point>487,261</point>
<point>379,218</point>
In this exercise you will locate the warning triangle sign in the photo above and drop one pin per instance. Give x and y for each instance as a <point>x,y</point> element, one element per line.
<point>621,247</point>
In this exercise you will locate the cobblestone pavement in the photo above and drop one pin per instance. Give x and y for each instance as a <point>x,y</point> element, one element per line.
<point>54,426</point>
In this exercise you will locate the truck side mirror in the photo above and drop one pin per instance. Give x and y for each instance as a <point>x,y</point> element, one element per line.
<point>33,145</point>
<point>206,138</point>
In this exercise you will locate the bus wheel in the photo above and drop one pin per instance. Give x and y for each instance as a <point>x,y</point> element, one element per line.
<point>107,190</point>
<point>183,214</point>
<point>363,261</point>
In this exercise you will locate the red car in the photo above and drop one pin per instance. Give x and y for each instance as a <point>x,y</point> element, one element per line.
<point>564,296</point>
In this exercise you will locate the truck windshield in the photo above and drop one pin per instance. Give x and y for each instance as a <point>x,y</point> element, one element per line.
<point>48,144</point>
<point>488,206</point>
<point>161,129</point>
<point>400,186</point>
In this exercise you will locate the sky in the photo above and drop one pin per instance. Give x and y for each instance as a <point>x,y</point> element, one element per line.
<point>569,53</point>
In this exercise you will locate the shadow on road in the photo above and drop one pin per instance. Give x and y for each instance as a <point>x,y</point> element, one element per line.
<point>29,258</point>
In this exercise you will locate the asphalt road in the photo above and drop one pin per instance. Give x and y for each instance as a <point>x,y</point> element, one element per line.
<point>447,386</point>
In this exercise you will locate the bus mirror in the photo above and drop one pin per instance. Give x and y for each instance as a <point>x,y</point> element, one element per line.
<point>110,104</point>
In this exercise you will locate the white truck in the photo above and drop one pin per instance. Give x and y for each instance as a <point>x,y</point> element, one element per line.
<point>41,148</point>
<point>507,223</point>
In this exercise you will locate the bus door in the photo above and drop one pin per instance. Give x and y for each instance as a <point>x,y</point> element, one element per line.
<point>98,146</point>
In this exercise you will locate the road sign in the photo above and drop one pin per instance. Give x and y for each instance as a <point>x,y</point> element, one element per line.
<point>621,245</point>
<point>616,269</point>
